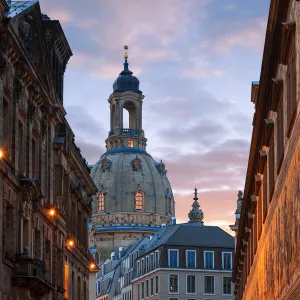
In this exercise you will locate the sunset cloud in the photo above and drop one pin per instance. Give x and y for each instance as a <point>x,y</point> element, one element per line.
<point>195,60</point>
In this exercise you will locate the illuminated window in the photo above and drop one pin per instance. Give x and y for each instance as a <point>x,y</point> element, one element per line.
<point>130,144</point>
<point>100,202</point>
<point>66,283</point>
<point>138,201</point>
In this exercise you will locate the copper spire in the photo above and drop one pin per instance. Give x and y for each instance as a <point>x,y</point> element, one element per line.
<point>196,215</point>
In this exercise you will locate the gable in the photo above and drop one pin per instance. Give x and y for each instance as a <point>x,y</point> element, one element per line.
<point>26,21</point>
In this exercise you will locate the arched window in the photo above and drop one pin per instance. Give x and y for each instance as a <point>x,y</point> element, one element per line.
<point>170,205</point>
<point>138,201</point>
<point>100,202</point>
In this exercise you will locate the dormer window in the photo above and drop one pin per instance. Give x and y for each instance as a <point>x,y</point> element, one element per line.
<point>130,143</point>
<point>138,201</point>
<point>101,202</point>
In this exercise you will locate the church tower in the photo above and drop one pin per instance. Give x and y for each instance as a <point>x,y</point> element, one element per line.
<point>135,197</point>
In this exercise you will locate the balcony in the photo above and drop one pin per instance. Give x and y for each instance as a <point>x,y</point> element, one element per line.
<point>127,132</point>
<point>31,273</point>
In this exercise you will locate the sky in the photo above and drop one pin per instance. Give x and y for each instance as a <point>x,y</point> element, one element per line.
<point>195,60</point>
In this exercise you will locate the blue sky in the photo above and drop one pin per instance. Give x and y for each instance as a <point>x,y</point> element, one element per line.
<point>195,60</point>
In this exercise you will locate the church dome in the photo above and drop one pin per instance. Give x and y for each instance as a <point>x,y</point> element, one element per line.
<point>121,176</point>
<point>126,81</point>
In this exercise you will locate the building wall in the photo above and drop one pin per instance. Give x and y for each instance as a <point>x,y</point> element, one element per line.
<point>267,264</point>
<point>41,168</point>
<point>163,292</point>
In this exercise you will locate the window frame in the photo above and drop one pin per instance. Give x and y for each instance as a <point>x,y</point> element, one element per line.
<point>100,201</point>
<point>213,260</point>
<point>139,197</point>
<point>156,284</point>
<point>223,255</point>
<point>169,251</point>
<point>223,286</point>
<point>178,285</point>
<point>205,294</point>
<point>186,284</point>
<point>186,259</point>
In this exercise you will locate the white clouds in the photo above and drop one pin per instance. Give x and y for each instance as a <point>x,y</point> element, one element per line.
<point>249,36</point>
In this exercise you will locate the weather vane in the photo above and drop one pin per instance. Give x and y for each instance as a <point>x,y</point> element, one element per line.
<point>125,48</point>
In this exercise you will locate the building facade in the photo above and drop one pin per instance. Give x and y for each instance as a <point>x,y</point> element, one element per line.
<point>268,246</point>
<point>180,262</point>
<point>45,186</point>
<point>135,197</point>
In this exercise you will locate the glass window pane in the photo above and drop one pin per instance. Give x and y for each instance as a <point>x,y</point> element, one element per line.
<point>209,285</point>
<point>173,284</point>
<point>227,285</point>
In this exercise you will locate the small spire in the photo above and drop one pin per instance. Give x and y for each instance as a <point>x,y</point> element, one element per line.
<point>126,70</point>
<point>196,214</point>
<point>196,194</point>
<point>126,54</point>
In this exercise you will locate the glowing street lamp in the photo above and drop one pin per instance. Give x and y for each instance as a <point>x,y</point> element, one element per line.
<point>52,212</point>
<point>92,266</point>
<point>1,153</point>
<point>71,243</point>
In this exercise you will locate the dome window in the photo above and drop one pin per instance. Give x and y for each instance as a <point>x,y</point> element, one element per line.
<point>130,143</point>
<point>100,202</point>
<point>138,201</point>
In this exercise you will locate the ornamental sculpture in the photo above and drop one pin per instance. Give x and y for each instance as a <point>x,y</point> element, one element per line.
<point>106,164</point>
<point>136,164</point>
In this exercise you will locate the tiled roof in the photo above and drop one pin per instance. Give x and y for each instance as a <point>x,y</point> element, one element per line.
<point>17,7</point>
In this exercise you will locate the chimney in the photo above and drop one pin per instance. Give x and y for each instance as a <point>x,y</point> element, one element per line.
<point>173,221</point>
<point>121,251</point>
<point>113,256</point>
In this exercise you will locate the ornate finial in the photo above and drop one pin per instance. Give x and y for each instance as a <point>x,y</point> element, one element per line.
<point>239,202</point>
<point>196,215</point>
<point>196,194</point>
<point>240,195</point>
<point>126,54</point>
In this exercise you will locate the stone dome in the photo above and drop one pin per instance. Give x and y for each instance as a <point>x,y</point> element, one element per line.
<point>120,175</point>
<point>126,81</point>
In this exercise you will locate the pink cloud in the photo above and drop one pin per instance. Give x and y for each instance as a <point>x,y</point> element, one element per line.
<point>250,36</point>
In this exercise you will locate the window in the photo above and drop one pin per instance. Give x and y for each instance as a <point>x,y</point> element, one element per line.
<point>173,258</point>
<point>33,159</point>
<point>138,288</point>
<point>209,284</point>
<point>227,260</point>
<point>190,259</point>
<point>173,298</point>
<point>156,284</point>
<point>143,290</point>
<point>271,171</point>
<point>156,259</point>
<point>138,201</point>
<point>173,284</point>
<point>291,88</point>
<point>147,264</point>
<point>208,259</point>
<point>130,144</point>
<point>151,287</point>
<point>191,284</point>
<point>138,268</point>
<point>151,262</point>
<point>170,205</point>
<point>280,136</point>
<point>147,288</point>
<point>101,202</point>
<point>226,285</point>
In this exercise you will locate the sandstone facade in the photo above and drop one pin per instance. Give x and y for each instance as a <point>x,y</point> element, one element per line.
<point>45,187</point>
<point>268,245</point>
